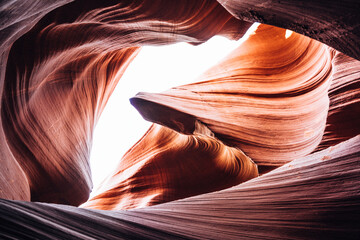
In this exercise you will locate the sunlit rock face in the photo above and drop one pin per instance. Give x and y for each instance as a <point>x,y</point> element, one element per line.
<point>165,165</point>
<point>280,98</point>
<point>268,97</point>
<point>60,74</point>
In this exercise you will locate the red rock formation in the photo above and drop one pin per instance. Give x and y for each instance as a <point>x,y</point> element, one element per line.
<point>315,197</point>
<point>268,97</point>
<point>165,165</point>
<point>335,23</point>
<point>60,74</point>
<point>343,120</point>
<point>17,17</point>
<point>14,184</point>
<point>55,80</point>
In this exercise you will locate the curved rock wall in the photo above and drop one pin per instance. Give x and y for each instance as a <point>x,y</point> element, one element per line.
<point>60,74</point>
<point>278,97</point>
<point>268,97</point>
<point>344,93</point>
<point>315,197</point>
<point>165,165</point>
<point>335,23</point>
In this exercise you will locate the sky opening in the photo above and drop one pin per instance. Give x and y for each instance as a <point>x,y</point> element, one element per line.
<point>155,69</point>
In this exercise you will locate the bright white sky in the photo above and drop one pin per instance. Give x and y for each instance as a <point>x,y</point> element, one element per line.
<point>155,69</point>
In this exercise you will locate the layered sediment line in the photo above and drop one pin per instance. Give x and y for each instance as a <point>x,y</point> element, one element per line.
<point>312,197</point>
<point>286,100</point>
<point>334,23</point>
<point>268,97</point>
<point>61,73</point>
<point>165,165</point>
<point>343,121</point>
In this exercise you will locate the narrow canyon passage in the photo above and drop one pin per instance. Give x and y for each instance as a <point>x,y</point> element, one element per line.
<point>265,144</point>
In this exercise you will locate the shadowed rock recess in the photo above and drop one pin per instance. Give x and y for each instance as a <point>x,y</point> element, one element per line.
<point>264,145</point>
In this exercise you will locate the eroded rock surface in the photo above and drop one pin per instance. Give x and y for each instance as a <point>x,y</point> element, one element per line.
<point>60,74</point>
<point>312,197</point>
<point>335,23</point>
<point>282,99</point>
<point>165,165</point>
<point>268,97</point>
<point>344,93</point>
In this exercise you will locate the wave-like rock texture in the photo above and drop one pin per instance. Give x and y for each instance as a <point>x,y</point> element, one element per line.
<point>268,97</point>
<point>343,120</point>
<point>165,165</point>
<point>315,197</point>
<point>335,23</point>
<point>16,18</point>
<point>60,74</point>
<point>60,61</point>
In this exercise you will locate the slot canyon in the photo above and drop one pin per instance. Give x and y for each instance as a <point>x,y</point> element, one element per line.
<point>263,145</point>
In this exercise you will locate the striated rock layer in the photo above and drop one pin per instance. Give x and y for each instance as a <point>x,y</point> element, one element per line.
<point>268,97</point>
<point>60,74</point>
<point>165,165</point>
<point>280,96</point>
<point>335,23</point>
<point>343,120</point>
<point>315,197</point>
